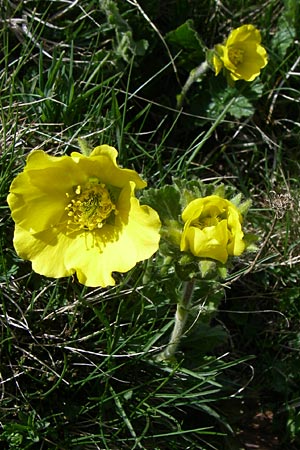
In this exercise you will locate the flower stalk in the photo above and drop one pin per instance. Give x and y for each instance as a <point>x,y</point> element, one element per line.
<point>181,316</point>
<point>194,76</point>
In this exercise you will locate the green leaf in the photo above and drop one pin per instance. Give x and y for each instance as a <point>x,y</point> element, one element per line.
<point>283,38</point>
<point>244,94</point>
<point>124,44</point>
<point>288,24</point>
<point>241,107</point>
<point>140,47</point>
<point>186,38</point>
<point>192,189</point>
<point>166,201</point>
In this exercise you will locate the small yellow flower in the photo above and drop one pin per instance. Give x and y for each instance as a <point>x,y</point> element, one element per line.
<point>212,229</point>
<point>242,55</point>
<point>79,214</point>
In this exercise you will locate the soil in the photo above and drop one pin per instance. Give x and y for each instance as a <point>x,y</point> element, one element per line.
<point>258,433</point>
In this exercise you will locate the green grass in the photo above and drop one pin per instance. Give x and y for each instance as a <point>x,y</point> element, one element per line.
<point>77,364</point>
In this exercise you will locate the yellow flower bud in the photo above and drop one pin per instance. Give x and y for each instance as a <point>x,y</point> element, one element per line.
<point>212,229</point>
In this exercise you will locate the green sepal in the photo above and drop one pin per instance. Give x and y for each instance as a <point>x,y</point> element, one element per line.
<point>220,191</point>
<point>192,189</point>
<point>206,266</point>
<point>222,271</point>
<point>251,242</point>
<point>242,207</point>
<point>186,272</point>
<point>189,266</point>
<point>85,149</point>
<point>209,54</point>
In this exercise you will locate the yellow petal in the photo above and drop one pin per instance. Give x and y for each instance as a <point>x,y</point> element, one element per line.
<point>211,242</point>
<point>115,249</point>
<point>244,33</point>
<point>193,210</point>
<point>91,263</point>
<point>237,244</point>
<point>212,229</point>
<point>45,249</point>
<point>37,196</point>
<point>255,58</point>
<point>102,164</point>
<point>243,56</point>
<point>217,58</point>
<point>58,244</point>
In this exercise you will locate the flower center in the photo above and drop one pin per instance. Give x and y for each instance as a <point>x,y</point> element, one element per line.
<point>91,206</point>
<point>204,222</point>
<point>210,218</point>
<point>236,55</point>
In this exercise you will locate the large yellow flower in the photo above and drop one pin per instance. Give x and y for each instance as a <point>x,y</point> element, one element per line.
<point>212,229</point>
<point>79,214</point>
<point>242,55</point>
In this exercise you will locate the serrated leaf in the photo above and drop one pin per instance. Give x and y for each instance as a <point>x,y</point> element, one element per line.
<point>124,44</point>
<point>192,189</point>
<point>242,107</point>
<point>283,38</point>
<point>254,90</point>
<point>166,201</point>
<point>287,26</point>
<point>186,38</point>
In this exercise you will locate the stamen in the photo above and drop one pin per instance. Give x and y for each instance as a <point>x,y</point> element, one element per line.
<point>212,219</point>
<point>90,207</point>
<point>236,55</point>
<point>204,222</point>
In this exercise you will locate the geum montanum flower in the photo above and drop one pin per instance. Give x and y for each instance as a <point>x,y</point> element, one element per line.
<point>212,229</point>
<point>79,214</point>
<point>241,55</point>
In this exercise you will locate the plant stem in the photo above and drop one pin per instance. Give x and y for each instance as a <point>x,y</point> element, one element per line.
<point>194,75</point>
<point>181,316</point>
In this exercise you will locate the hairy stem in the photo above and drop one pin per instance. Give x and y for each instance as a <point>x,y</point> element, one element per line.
<point>194,75</point>
<point>181,316</point>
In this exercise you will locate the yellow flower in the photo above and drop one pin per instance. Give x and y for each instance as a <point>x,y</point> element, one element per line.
<point>212,229</point>
<point>242,55</point>
<point>79,214</point>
